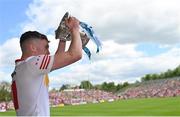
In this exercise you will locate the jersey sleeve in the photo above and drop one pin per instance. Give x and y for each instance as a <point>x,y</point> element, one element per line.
<point>41,64</point>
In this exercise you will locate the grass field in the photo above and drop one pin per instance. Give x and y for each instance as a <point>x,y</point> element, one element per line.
<point>133,107</point>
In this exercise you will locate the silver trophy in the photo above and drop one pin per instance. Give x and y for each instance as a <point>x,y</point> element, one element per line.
<point>63,32</point>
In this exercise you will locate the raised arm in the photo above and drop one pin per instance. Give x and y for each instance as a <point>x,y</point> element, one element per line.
<point>61,46</point>
<point>74,53</point>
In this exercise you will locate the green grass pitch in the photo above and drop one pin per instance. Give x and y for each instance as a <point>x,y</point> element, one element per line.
<point>132,107</point>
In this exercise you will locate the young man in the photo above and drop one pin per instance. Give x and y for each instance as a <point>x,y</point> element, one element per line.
<point>29,79</point>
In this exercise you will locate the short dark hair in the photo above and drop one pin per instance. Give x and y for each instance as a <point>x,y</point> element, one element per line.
<point>31,35</point>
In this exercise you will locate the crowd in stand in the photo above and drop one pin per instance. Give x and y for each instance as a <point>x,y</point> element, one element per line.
<point>80,96</point>
<point>156,88</point>
<point>6,105</point>
<point>3,107</point>
<point>71,97</point>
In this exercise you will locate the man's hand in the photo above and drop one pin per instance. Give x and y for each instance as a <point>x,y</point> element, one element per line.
<point>74,53</point>
<point>72,23</point>
<point>65,28</point>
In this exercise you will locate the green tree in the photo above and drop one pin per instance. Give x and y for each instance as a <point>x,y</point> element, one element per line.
<point>111,87</point>
<point>168,73</point>
<point>108,86</point>
<point>104,86</point>
<point>119,87</point>
<point>64,87</point>
<point>97,86</point>
<point>154,76</point>
<point>147,77</point>
<point>5,91</point>
<point>86,85</point>
<point>176,71</point>
<point>125,84</point>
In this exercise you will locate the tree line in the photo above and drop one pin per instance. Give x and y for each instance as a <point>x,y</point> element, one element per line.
<point>164,75</point>
<point>110,87</point>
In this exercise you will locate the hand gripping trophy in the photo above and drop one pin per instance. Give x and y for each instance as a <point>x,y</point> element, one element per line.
<point>86,33</point>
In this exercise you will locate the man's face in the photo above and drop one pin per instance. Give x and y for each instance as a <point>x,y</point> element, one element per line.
<point>43,47</point>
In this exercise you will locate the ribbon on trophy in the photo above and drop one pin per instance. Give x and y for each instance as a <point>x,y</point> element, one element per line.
<point>86,33</point>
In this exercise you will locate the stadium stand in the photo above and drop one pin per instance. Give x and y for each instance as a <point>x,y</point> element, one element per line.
<point>154,88</point>
<point>80,96</point>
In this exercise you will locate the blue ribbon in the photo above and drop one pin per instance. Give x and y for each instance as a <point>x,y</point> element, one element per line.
<point>87,51</point>
<point>91,34</point>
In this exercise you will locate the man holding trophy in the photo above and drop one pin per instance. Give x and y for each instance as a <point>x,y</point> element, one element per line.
<point>30,80</point>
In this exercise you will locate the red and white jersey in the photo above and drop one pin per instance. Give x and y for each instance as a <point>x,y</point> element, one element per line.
<point>29,86</point>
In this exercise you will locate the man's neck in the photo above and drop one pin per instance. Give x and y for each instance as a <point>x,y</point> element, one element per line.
<point>25,56</point>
